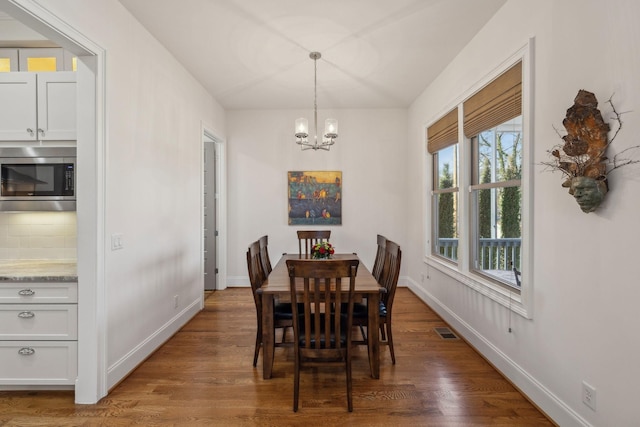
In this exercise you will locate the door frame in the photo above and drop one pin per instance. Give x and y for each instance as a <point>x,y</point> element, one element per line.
<point>91,382</point>
<point>221,204</point>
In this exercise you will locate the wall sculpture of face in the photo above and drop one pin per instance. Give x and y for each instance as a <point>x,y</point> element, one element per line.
<point>588,192</point>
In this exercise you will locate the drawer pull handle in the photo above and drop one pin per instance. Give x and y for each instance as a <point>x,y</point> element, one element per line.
<point>26,351</point>
<point>26,314</point>
<point>26,292</point>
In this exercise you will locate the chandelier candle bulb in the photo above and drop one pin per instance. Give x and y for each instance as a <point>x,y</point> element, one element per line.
<point>302,128</point>
<point>331,128</point>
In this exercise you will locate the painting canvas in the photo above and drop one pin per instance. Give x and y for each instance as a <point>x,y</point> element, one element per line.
<point>315,197</point>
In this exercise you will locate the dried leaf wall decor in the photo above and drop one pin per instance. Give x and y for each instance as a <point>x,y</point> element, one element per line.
<point>582,158</point>
<point>586,140</point>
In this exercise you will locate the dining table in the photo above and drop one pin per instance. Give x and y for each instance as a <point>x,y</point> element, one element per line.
<point>277,286</point>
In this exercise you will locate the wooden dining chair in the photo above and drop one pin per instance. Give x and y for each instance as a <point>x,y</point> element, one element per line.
<point>389,281</point>
<point>378,263</point>
<point>265,262</point>
<point>322,331</point>
<point>308,238</point>
<point>282,314</point>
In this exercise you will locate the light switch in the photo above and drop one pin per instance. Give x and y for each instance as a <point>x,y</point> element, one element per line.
<point>117,241</point>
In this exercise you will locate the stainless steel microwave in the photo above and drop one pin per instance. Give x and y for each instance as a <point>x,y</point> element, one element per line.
<point>38,179</point>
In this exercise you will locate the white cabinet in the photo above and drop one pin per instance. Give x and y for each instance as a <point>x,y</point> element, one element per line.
<point>36,59</point>
<point>38,106</point>
<point>38,333</point>
<point>8,60</point>
<point>38,363</point>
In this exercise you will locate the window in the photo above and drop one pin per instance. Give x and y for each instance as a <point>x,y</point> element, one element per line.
<point>442,139</point>
<point>493,122</point>
<point>479,204</point>
<point>445,202</point>
<point>496,201</point>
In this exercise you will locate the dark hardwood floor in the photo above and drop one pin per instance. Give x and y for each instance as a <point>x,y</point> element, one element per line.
<point>204,376</point>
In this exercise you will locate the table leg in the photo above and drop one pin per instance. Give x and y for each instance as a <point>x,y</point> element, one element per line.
<point>268,335</point>
<point>373,333</point>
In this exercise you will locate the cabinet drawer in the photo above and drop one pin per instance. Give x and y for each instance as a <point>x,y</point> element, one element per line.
<point>38,322</point>
<point>33,362</point>
<point>38,292</point>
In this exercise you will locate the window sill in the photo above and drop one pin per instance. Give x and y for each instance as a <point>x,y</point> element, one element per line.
<point>517,303</point>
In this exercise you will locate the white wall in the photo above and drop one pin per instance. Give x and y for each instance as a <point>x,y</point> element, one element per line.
<point>584,277</point>
<point>154,116</point>
<point>262,149</point>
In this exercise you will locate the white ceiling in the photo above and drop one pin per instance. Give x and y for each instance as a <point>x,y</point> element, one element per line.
<point>254,54</point>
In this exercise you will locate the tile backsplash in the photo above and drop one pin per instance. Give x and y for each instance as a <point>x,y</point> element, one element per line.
<point>38,235</point>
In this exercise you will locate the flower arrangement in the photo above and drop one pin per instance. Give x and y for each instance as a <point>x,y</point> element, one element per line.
<point>322,250</point>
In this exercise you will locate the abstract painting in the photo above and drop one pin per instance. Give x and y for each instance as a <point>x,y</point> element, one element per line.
<point>315,197</point>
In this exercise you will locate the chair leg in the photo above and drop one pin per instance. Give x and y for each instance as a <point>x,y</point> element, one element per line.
<point>296,385</point>
<point>257,350</point>
<point>349,385</point>
<point>364,336</point>
<point>390,341</point>
<point>258,342</point>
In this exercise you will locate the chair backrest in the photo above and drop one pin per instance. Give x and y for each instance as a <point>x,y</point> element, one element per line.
<point>256,276</point>
<point>390,272</point>
<point>318,292</point>
<point>308,238</point>
<point>378,263</point>
<point>264,256</point>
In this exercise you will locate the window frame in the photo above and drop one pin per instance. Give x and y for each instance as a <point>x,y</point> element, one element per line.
<point>520,303</point>
<point>435,192</point>
<point>474,188</point>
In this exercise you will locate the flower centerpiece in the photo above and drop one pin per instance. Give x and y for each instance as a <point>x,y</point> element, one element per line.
<point>322,250</point>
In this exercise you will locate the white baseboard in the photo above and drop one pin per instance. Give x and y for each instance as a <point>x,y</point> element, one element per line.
<point>123,367</point>
<point>238,281</point>
<point>541,396</point>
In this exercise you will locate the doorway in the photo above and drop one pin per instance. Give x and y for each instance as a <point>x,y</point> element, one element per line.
<point>210,229</point>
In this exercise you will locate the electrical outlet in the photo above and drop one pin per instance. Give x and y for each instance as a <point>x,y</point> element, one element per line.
<point>589,395</point>
<point>175,301</point>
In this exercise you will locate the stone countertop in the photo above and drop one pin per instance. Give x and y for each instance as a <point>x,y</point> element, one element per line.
<point>38,270</point>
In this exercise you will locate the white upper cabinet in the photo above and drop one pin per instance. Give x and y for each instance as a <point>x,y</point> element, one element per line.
<point>36,59</point>
<point>56,106</point>
<point>37,106</point>
<point>18,113</point>
<point>41,59</point>
<point>8,60</point>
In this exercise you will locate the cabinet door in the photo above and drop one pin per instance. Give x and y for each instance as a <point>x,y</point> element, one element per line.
<point>38,293</point>
<point>8,60</point>
<point>18,106</point>
<point>57,106</point>
<point>41,59</point>
<point>39,322</point>
<point>38,363</point>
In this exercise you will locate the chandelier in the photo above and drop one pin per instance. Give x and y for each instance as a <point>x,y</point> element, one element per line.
<point>302,124</point>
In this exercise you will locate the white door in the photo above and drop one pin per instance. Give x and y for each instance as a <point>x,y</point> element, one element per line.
<point>210,232</point>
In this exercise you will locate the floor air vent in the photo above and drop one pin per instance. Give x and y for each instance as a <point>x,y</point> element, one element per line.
<point>446,333</point>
